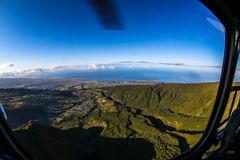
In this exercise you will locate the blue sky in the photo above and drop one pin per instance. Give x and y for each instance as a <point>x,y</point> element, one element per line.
<point>48,33</point>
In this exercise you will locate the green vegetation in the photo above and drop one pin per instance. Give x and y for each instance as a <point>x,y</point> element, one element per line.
<point>157,121</point>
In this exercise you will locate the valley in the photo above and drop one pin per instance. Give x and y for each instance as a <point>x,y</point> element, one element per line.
<point>77,119</point>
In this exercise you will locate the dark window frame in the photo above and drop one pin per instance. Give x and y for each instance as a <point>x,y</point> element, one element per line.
<point>232,30</point>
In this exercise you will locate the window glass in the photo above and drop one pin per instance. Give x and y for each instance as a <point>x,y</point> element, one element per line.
<point>232,104</point>
<point>135,80</point>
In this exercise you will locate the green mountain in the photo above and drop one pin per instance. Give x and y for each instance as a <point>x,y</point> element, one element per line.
<point>46,142</point>
<point>187,99</point>
<point>117,122</point>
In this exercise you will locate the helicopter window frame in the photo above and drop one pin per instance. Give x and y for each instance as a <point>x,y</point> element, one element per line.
<point>231,51</point>
<point>219,9</point>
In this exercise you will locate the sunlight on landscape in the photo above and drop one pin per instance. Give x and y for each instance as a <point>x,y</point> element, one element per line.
<point>74,89</point>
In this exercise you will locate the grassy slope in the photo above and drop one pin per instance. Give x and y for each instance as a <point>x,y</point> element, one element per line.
<point>187,99</point>
<point>176,104</point>
<point>169,118</point>
<point>46,142</point>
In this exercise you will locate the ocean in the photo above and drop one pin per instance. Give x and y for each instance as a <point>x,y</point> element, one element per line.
<point>178,76</point>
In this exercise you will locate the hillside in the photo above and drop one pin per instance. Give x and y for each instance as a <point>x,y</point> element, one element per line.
<point>79,143</point>
<point>188,99</point>
<point>160,120</point>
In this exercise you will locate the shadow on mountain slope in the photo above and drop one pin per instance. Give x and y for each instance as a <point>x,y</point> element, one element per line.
<point>45,142</point>
<point>22,115</point>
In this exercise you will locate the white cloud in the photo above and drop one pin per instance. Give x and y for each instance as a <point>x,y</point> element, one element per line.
<point>92,66</point>
<point>102,67</point>
<point>8,69</point>
<point>111,67</point>
<point>4,67</point>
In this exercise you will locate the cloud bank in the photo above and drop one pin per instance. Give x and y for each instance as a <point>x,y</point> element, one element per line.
<point>7,72</point>
<point>4,67</point>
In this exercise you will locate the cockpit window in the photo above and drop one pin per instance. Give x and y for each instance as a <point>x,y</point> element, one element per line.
<point>123,79</point>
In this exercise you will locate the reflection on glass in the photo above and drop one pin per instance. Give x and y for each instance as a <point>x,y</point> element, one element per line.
<point>73,89</point>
